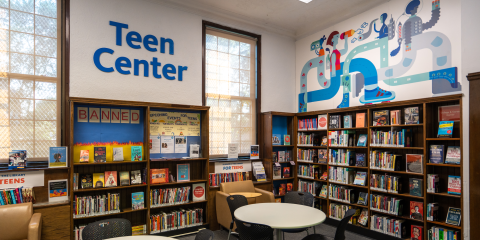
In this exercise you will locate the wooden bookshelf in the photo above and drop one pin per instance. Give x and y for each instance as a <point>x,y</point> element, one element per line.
<point>424,135</point>
<point>198,168</point>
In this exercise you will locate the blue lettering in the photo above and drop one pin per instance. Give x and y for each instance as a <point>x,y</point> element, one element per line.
<point>155,64</point>
<point>180,72</point>
<point>119,27</point>
<point>136,67</point>
<point>119,65</point>
<point>170,45</point>
<point>169,68</point>
<point>134,37</point>
<point>96,59</point>
<point>150,40</point>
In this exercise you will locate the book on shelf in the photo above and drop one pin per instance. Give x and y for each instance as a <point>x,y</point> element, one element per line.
<point>124,178</point>
<point>411,115</point>
<point>341,175</point>
<point>307,155</point>
<point>449,113</point>
<point>84,156</point>
<point>274,157</point>
<point>282,189</point>
<point>416,187</point>
<point>286,172</point>
<point>254,152</point>
<point>414,163</point>
<point>416,232</point>
<point>307,186</point>
<point>278,200</point>
<point>289,187</point>
<point>104,204</point>
<point>360,120</point>
<point>386,204</point>
<point>395,117</point>
<point>286,140</point>
<point>170,196</point>
<point>168,221</point>
<point>99,154</point>
<point>385,183</point>
<point>159,175</point>
<point>281,156</point>
<point>322,155</point>
<point>118,154</point>
<point>433,183</point>
<point>276,139</point>
<point>138,200</point>
<point>110,178</point>
<point>76,178</point>
<point>288,156</point>
<point>324,175</point>
<point>454,216</point>
<point>307,124</point>
<point>217,178</point>
<point>362,140</point>
<point>390,226</point>
<point>341,193</point>
<point>17,195</point>
<point>445,129</point>
<point>86,181</point>
<point>277,172</point>
<point>453,155</point>
<point>323,191</point>
<point>136,153</point>
<point>416,210</point>
<point>380,118</point>
<point>442,233</point>
<point>347,121</point>
<point>138,230</point>
<point>198,193</point>
<point>454,185</point>
<point>436,154</point>
<point>386,160</point>
<point>363,218</point>
<point>360,178</point>
<point>360,160</point>
<point>394,137</point>
<point>194,151</point>
<point>58,157</point>
<point>344,157</point>
<point>17,159</point>
<point>334,121</point>
<point>98,180</point>
<point>135,177</point>
<point>362,198</point>
<point>322,121</point>
<point>183,172</point>
<point>432,211</point>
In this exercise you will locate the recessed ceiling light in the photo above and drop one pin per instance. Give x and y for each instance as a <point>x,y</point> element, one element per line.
<point>305,1</point>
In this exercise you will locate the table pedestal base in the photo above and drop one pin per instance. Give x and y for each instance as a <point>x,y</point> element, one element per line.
<point>279,234</point>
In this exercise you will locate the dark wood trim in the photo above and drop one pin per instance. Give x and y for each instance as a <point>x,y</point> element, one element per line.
<point>136,104</point>
<point>65,74</point>
<point>204,29</point>
<point>474,152</point>
<point>473,76</point>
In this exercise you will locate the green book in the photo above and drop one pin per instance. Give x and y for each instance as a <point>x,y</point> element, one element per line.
<point>136,153</point>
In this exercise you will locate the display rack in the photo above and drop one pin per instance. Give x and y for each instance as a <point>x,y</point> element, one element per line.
<point>198,166</point>
<point>424,135</point>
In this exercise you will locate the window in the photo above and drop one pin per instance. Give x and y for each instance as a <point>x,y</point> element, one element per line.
<point>29,77</point>
<point>230,90</point>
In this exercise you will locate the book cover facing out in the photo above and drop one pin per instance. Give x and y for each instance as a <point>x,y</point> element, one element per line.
<point>57,190</point>
<point>416,187</point>
<point>445,129</point>
<point>453,155</point>
<point>286,172</point>
<point>98,180</point>
<point>414,163</point>
<point>436,154</point>
<point>136,153</point>
<point>138,200</point>
<point>411,116</point>
<point>416,232</point>
<point>380,118</point>
<point>136,177</point>
<point>159,175</point>
<point>454,185</point>
<point>57,157</point>
<point>362,140</point>
<point>322,121</point>
<point>84,156</point>
<point>198,192</point>
<point>124,178</point>
<point>86,181</point>
<point>183,172</point>
<point>416,210</point>
<point>118,154</point>
<point>110,178</point>
<point>360,120</point>
<point>454,216</point>
<point>286,140</point>
<point>17,159</point>
<point>254,152</point>
<point>276,139</point>
<point>100,154</point>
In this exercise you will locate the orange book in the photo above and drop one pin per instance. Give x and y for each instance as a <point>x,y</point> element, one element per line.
<point>159,175</point>
<point>360,121</point>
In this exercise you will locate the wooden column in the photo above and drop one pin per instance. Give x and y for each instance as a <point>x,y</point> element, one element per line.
<point>474,150</point>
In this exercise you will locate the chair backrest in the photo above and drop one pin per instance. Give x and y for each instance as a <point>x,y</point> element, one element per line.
<point>108,228</point>
<point>253,231</point>
<point>241,186</point>
<point>15,216</point>
<point>303,198</point>
<point>205,234</point>
<point>236,201</point>
<point>340,233</point>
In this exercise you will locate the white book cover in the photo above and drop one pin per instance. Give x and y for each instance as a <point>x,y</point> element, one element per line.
<point>194,150</point>
<point>118,154</point>
<point>198,192</point>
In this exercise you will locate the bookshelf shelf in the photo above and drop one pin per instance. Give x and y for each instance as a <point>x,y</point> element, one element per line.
<point>177,205</point>
<point>107,163</point>
<point>353,147</point>
<point>282,145</point>
<point>393,215</point>
<point>443,139</point>
<point>303,146</point>
<point>177,183</point>
<point>182,159</point>
<point>280,179</point>
<point>302,162</point>
<point>127,210</point>
<point>33,169</point>
<point>318,130</point>
<point>445,224</point>
<point>406,148</point>
<point>352,204</point>
<point>109,188</point>
<point>50,204</point>
<point>339,129</point>
<point>311,179</point>
<point>321,198</point>
<point>346,184</point>
<point>445,194</point>
<point>397,172</point>
<point>334,165</point>
<point>397,194</point>
<point>444,165</point>
<point>400,125</point>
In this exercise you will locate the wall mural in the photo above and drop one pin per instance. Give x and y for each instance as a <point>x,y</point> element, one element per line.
<point>358,77</point>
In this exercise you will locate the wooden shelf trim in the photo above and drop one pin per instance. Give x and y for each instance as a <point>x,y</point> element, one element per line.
<point>176,183</point>
<point>396,194</point>
<point>352,204</point>
<point>106,163</point>
<point>109,188</point>
<point>176,205</point>
<point>445,224</point>
<point>393,215</point>
<point>127,210</point>
<point>445,194</point>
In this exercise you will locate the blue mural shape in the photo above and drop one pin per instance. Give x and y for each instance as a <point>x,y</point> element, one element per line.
<point>356,74</point>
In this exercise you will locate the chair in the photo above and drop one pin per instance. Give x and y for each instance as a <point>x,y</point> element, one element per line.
<point>224,218</point>
<point>205,234</point>
<point>339,234</point>
<point>234,202</point>
<point>253,231</point>
<point>302,198</point>
<point>108,228</point>
<point>19,222</point>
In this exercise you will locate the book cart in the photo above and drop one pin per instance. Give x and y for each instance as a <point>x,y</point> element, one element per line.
<point>100,134</point>
<point>423,135</point>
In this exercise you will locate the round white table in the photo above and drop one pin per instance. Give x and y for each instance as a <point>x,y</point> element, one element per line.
<point>280,215</point>
<point>142,237</point>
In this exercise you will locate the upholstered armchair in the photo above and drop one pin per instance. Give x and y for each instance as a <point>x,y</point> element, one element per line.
<point>18,222</point>
<point>224,217</point>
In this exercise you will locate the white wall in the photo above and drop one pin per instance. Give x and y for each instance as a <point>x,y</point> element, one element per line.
<point>90,30</point>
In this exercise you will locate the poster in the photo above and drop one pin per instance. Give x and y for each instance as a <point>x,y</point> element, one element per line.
<point>154,144</point>
<point>174,123</point>
<point>168,144</point>
<point>180,144</point>
<point>231,167</point>
<point>19,179</point>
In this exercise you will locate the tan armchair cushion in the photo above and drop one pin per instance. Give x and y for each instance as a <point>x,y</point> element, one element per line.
<point>17,222</point>
<point>35,227</point>
<point>242,186</point>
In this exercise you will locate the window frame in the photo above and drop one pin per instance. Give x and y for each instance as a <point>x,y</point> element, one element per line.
<point>58,79</point>
<point>258,74</point>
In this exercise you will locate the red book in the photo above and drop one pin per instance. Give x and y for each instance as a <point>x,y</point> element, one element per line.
<point>416,232</point>
<point>289,187</point>
<point>416,210</point>
<point>286,172</point>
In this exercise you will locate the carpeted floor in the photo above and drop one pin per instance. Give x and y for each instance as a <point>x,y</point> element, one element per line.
<point>323,229</point>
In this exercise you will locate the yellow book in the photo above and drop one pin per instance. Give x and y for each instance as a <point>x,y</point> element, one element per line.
<point>98,180</point>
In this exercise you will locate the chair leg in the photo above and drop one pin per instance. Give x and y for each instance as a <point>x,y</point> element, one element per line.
<point>308,232</point>
<point>314,232</point>
<point>283,236</point>
<point>229,233</point>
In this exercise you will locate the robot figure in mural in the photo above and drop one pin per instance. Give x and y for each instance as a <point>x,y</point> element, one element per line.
<point>357,74</point>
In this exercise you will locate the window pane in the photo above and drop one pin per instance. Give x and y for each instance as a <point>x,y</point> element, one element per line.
<point>4,3</point>
<point>234,47</point>
<point>3,63</point>
<point>21,130</point>
<point>223,45</point>
<point>42,148</point>
<point>4,88</point>
<point>245,63</point>
<point>45,90</point>
<point>245,49</point>
<point>24,145</point>
<point>234,61</point>
<point>21,109</point>
<point>45,130</point>
<point>45,110</point>
<point>45,66</point>
<point>21,63</point>
<point>245,76</point>
<point>45,46</point>
<point>45,26</point>
<point>22,5</point>
<point>22,42</point>
<point>46,7</point>
<point>21,22</point>
<point>211,42</point>
<point>4,40</point>
<point>233,75</point>
<point>211,57</point>
<point>4,114</point>
<point>244,90</point>
<point>234,89</point>
<point>21,88</point>
<point>223,73</point>
<point>222,59</point>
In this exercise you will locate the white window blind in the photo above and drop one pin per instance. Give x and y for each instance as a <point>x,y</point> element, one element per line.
<point>230,91</point>
<point>29,77</point>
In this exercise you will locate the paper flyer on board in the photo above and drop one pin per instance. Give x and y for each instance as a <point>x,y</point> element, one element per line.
<point>155,144</point>
<point>168,144</point>
<point>180,144</point>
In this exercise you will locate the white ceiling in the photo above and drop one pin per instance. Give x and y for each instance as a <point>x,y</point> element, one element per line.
<point>288,17</point>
